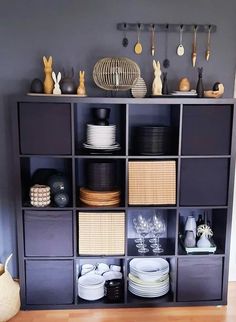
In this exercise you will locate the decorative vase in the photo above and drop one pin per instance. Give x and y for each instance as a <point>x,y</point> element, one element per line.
<point>203,242</point>
<point>190,240</point>
<point>67,83</point>
<point>200,89</point>
<point>191,225</point>
<point>165,85</point>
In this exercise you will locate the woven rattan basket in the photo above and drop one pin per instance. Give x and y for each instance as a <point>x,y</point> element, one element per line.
<point>9,295</point>
<point>101,233</point>
<point>152,183</point>
<point>117,73</point>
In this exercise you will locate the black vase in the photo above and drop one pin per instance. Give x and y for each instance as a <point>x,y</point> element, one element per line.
<point>165,85</point>
<point>67,83</point>
<point>200,88</point>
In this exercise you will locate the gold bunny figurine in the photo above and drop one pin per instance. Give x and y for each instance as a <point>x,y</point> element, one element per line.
<point>81,91</point>
<point>48,81</point>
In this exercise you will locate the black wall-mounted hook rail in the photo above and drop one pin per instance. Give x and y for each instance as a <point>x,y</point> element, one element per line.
<point>162,27</point>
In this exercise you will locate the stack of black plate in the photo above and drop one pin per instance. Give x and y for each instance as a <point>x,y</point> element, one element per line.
<point>102,175</point>
<point>153,140</point>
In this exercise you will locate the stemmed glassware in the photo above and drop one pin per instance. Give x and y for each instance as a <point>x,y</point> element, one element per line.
<point>157,227</point>
<point>142,227</point>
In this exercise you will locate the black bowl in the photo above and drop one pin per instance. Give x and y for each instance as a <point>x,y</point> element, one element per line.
<point>101,113</point>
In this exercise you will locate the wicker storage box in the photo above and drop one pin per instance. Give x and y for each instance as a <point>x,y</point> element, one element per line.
<point>101,233</point>
<point>152,182</point>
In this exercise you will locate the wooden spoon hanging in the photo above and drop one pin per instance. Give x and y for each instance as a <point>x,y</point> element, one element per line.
<point>208,50</point>
<point>153,41</point>
<point>194,53</point>
<point>138,47</point>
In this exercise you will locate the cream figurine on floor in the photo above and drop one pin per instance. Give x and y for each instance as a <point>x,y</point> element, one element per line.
<point>157,83</point>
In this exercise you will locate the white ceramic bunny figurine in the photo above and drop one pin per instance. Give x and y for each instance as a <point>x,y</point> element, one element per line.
<point>157,83</point>
<point>56,89</point>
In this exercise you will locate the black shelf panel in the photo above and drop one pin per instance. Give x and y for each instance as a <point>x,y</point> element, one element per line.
<point>46,208</point>
<point>204,156</point>
<point>98,303</point>
<point>152,157</point>
<point>99,156</point>
<point>59,156</point>
<point>155,302</point>
<point>87,208</point>
<point>106,257</point>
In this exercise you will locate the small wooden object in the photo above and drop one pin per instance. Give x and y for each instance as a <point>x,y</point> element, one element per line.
<point>184,85</point>
<point>48,81</point>
<point>138,47</point>
<point>194,53</point>
<point>215,94</point>
<point>157,83</point>
<point>81,91</point>
<point>57,79</point>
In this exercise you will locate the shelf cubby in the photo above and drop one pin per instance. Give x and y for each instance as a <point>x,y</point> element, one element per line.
<point>83,115</point>
<point>156,301</point>
<point>45,128</point>
<point>167,239</point>
<point>153,114</point>
<point>46,229</point>
<point>81,166</point>
<point>215,218</point>
<point>95,261</point>
<point>37,170</point>
<point>49,282</point>
<point>207,129</point>
<point>204,182</point>
<point>199,279</point>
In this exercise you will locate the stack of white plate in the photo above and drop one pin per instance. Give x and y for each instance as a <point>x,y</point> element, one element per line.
<point>101,136</point>
<point>91,287</point>
<point>149,277</point>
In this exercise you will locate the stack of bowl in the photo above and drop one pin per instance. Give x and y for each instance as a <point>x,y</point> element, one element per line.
<point>91,287</point>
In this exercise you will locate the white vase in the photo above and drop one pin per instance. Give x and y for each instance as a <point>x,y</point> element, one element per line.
<point>191,225</point>
<point>190,240</point>
<point>203,242</point>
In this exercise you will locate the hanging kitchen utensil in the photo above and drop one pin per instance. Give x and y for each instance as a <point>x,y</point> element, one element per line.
<point>125,40</point>
<point>194,53</point>
<point>166,62</point>
<point>138,47</point>
<point>180,48</point>
<point>153,41</point>
<point>208,50</point>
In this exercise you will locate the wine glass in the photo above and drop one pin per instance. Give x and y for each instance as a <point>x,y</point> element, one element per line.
<point>142,227</point>
<point>157,227</point>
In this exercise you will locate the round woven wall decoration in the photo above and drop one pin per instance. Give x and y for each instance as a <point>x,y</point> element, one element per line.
<point>117,73</point>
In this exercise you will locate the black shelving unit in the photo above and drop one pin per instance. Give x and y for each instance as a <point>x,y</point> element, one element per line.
<point>49,133</point>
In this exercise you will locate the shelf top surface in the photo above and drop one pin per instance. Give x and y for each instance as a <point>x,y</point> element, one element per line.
<point>122,100</point>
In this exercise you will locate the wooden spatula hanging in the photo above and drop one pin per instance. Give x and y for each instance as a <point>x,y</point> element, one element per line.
<point>153,41</point>
<point>208,50</point>
<point>194,53</point>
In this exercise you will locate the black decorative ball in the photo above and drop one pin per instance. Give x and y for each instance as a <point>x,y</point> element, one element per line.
<point>36,86</point>
<point>61,199</point>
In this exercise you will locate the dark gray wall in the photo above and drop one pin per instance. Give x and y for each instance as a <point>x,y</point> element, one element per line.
<point>77,33</point>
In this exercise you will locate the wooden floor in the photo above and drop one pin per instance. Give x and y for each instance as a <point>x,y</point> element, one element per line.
<point>184,314</point>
